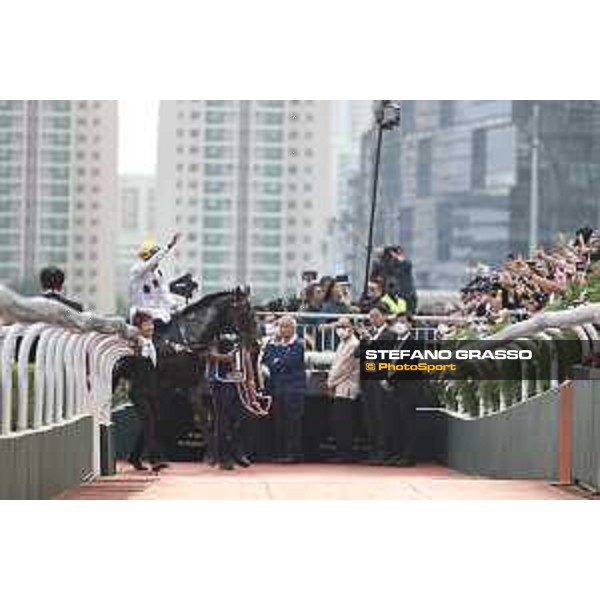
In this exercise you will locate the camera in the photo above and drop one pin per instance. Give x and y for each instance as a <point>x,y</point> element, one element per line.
<point>309,276</point>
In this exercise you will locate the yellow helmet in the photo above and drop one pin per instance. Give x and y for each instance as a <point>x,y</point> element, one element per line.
<point>148,248</point>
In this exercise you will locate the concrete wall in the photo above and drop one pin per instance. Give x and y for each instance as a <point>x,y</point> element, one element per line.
<point>586,433</point>
<point>42,464</point>
<point>519,443</point>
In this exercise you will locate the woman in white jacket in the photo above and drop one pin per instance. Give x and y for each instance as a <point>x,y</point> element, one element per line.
<point>343,383</point>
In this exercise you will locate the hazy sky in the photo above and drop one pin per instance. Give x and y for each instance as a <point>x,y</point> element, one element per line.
<point>138,132</point>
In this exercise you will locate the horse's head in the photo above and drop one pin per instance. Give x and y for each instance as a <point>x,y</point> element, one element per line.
<point>201,321</point>
<point>241,315</point>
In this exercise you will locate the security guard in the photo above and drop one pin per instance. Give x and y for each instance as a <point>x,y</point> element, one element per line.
<point>376,295</point>
<point>396,306</point>
<point>375,394</point>
<point>401,415</point>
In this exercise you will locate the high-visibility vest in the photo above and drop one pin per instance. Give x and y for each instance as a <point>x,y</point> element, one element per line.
<point>396,306</point>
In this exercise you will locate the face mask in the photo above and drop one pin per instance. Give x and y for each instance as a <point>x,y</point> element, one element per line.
<point>269,329</point>
<point>343,333</point>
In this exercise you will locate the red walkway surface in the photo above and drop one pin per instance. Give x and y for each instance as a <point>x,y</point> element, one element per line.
<point>192,481</point>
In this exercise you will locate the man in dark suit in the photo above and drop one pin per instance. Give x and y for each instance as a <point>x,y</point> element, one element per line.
<point>144,396</point>
<point>402,398</point>
<point>374,393</point>
<point>52,280</point>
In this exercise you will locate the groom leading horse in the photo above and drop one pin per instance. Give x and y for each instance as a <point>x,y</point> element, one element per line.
<point>184,338</point>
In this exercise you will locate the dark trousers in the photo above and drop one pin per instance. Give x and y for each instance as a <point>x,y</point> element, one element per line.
<point>402,420</point>
<point>146,407</point>
<point>288,409</point>
<point>374,399</point>
<point>226,440</point>
<point>342,417</point>
<point>315,425</point>
<point>160,329</point>
<point>261,434</point>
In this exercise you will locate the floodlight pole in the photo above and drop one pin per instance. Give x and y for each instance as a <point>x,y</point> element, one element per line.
<point>387,116</point>
<point>373,205</point>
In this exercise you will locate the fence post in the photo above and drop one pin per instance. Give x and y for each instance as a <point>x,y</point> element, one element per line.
<point>7,356</point>
<point>32,332</point>
<point>565,433</point>
<point>70,374</point>
<point>59,373</point>
<point>42,399</point>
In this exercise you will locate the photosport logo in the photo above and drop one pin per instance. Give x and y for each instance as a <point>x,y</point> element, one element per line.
<point>466,359</point>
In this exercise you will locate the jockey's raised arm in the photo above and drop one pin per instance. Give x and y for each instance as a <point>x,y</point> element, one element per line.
<point>148,291</point>
<point>155,254</point>
<point>141,268</point>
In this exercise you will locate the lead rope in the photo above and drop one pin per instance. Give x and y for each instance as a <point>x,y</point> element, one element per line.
<point>255,403</point>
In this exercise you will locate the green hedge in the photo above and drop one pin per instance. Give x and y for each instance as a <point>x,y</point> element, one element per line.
<point>15,394</point>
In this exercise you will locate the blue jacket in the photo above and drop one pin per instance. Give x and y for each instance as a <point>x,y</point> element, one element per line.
<point>286,367</point>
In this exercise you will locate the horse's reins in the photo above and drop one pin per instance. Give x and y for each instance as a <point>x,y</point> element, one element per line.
<point>254,402</point>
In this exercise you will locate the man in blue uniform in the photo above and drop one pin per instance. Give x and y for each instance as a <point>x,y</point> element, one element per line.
<point>226,440</point>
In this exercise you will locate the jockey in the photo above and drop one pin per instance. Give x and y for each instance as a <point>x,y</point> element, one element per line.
<point>148,291</point>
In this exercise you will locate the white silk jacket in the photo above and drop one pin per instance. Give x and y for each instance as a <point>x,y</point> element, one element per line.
<point>148,290</point>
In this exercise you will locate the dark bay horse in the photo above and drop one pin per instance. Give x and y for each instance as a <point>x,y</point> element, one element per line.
<point>182,348</point>
<point>196,327</point>
<point>183,343</point>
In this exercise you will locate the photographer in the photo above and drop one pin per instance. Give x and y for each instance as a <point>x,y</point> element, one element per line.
<point>313,298</point>
<point>333,299</point>
<point>376,296</point>
<point>396,271</point>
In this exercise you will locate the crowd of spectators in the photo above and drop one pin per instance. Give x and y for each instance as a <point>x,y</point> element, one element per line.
<point>390,284</point>
<point>523,286</point>
<point>310,406</point>
<point>292,382</point>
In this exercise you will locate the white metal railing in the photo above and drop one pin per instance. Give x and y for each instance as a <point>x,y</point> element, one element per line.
<point>316,329</point>
<point>70,373</point>
<point>320,341</point>
<point>549,327</point>
<point>69,376</point>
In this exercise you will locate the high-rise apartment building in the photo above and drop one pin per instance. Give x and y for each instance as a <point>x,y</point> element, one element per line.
<point>58,195</point>
<point>353,119</point>
<point>250,184</point>
<point>137,220</point>
<point>455,182</point>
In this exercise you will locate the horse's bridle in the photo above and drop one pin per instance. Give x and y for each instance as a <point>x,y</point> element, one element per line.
<point>254,402</point>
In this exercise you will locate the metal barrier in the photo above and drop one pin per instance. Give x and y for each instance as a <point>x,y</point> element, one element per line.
<point>580,322</point>
<point>66,380</point>
<point>317,328</point>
